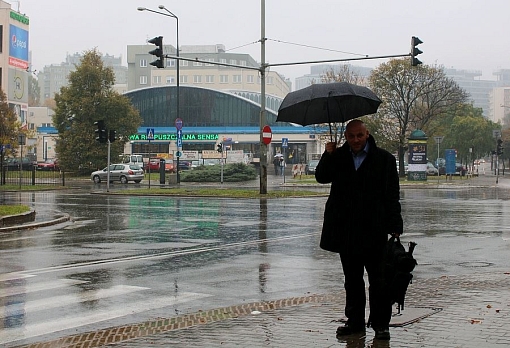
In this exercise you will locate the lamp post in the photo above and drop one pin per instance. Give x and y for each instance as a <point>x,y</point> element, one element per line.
<point>171,14</point>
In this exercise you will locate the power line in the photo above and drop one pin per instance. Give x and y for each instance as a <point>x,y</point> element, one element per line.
<point>319,48</point>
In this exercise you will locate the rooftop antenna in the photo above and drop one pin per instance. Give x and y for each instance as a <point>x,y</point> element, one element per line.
<point>19,2</point>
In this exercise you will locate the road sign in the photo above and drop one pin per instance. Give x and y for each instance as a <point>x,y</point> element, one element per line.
<point>179,139</point>
<point>178,153</point>
<point>285,142</point>
<point>150,133</point>
<point>267,135</point>
<point>438,139</point>
<point>178,123</point>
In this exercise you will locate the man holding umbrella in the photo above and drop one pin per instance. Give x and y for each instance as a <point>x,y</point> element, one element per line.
<point>363,208</point>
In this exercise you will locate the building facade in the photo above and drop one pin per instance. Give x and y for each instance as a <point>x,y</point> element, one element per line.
<point>14,59</point>
<point>55,76</point>
<point>141,74</point>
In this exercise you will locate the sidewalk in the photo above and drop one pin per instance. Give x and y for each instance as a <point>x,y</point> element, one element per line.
<point>471,310</point>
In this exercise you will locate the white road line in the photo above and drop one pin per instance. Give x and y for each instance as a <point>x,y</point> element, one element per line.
<point>29,288</point>
<point>23,308</point>
<point>32,330</point>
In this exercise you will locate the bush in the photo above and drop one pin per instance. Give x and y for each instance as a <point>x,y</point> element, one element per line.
<point>233,172</point>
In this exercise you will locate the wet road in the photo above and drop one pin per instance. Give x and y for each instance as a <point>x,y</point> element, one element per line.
<point>126,259</point>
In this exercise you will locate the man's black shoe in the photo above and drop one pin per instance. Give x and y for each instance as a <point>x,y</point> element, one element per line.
<point>382,334</point>
<point>349,329</point>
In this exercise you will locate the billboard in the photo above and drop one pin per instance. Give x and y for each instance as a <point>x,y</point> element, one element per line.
<point>18,47</point>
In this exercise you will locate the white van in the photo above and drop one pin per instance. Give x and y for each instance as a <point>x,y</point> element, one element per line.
<point>132,159</point>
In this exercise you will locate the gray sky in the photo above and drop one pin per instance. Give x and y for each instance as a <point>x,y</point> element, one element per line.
<point>463,34</point>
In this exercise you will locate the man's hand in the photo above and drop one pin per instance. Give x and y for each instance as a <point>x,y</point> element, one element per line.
<point>331,147</point>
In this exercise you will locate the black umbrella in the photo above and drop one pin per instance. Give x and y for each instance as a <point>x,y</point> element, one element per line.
<point>327,103</point>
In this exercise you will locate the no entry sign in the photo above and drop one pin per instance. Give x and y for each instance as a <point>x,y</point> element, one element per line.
<point>267,135</point>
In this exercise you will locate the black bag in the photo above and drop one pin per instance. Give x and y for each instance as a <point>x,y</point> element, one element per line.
<point>399,265</point>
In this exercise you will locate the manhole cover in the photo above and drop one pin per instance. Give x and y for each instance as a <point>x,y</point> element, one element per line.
<point>475,264</point>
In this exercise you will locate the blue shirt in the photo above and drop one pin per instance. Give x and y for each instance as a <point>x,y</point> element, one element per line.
<point>360,156</point>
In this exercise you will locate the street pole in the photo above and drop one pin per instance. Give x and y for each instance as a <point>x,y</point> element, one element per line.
<point>263,146</point>
<point>108,169</point>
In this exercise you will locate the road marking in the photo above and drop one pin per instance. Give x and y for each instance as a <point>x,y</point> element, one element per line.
<point>49,285</point>
<point>22,308</point>
<point>8,335</point>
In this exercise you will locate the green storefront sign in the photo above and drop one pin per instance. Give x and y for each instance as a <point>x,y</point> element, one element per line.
<point>173,137</point>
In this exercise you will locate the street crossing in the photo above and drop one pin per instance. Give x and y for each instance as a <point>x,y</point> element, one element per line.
<point>48,306</point>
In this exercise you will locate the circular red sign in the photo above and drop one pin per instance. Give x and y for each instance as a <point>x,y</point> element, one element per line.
<point>267,135</point>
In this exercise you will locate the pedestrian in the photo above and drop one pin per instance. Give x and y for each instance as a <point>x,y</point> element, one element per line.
<point>282,166</point>
<point>276,163</point>
<point>362,209</point>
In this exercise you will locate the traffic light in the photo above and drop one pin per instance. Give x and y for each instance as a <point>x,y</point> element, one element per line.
<point>100,131</point>
<point>499,147</point>
<point>112,135</point>
<point>415,51</point>
<point>158,52</point>
<point>219,148</point>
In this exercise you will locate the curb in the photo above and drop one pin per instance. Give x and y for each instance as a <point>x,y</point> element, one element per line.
<point>58,220</point>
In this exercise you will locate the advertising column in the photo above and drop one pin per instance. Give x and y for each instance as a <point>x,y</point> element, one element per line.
<point>417,170</point>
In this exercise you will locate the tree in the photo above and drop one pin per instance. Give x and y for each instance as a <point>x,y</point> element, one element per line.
<point>89,97</point>
<point>412,97</point>
<point>9,126</point>
<point>34,92</point>
<point>466,130</point>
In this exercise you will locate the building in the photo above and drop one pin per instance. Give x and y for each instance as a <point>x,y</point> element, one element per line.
<point>41,120</point>
<point>14,59</point>
<point>53,77</point>
<point>220,77</point>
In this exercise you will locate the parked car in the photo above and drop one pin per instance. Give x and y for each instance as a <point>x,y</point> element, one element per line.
<point>154,163</point>
<point>431,170</point>
<point>184,165</point>
<point>310,167</point>
<point>49,164</point>
<point>119,172</point>
<point>13,163</point>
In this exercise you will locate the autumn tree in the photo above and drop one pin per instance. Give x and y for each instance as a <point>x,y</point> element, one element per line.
<point>9,127</point>
<point>89,97</point>
<point>34,92</point>
<point>412,97</point>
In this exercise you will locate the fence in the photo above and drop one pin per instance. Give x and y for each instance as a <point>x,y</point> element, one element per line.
<point>31,176</point>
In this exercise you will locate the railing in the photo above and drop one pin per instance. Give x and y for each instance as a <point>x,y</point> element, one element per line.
<point>31,176</point>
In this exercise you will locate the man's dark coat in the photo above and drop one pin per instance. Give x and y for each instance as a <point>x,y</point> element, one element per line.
<point>363,205</point>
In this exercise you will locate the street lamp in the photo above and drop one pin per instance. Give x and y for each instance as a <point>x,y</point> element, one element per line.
<point>171,14</point>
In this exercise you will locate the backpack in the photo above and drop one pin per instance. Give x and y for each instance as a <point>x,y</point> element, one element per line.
<point>399,265</point>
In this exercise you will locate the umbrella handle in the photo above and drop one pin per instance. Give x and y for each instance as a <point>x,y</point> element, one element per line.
<point>330,132</point>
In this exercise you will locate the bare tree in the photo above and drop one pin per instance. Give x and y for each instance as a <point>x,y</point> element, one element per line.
<point>412,97</point>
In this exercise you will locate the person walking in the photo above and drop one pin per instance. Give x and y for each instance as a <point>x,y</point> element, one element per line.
<point>362,209</point>
<point>276,163</point>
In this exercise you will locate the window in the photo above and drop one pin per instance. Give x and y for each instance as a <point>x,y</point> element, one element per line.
<point>243,63</point>
<point>233,61</point>
<point>143,79</point>
<point>250,79</point>
<point>184,63</point>
<point>170,80</point>
<point>197,64</point>
<point>237,78</point>
<point>209,79</point>
<point>197,78</point>
<point>223,61</point>
<point>210,60</point>
<point>156,80</point>
<point>223,78</point>
<point>170,63</point>
<point>183,78</point>
<point>270,80</point>
<point>143,63</point>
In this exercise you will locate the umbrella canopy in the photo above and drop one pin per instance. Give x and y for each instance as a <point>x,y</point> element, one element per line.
<point>327,103</point>
<point>278,155</point>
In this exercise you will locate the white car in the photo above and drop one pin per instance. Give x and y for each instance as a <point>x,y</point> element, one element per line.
<point>119,172</point>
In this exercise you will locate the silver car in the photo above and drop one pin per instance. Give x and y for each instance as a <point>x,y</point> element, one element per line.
<point>119,172</point>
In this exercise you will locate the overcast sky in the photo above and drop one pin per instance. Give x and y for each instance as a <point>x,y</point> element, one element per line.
<point>463,34</point>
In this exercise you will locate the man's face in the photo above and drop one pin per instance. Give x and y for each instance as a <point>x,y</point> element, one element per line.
<point>356,135</point>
